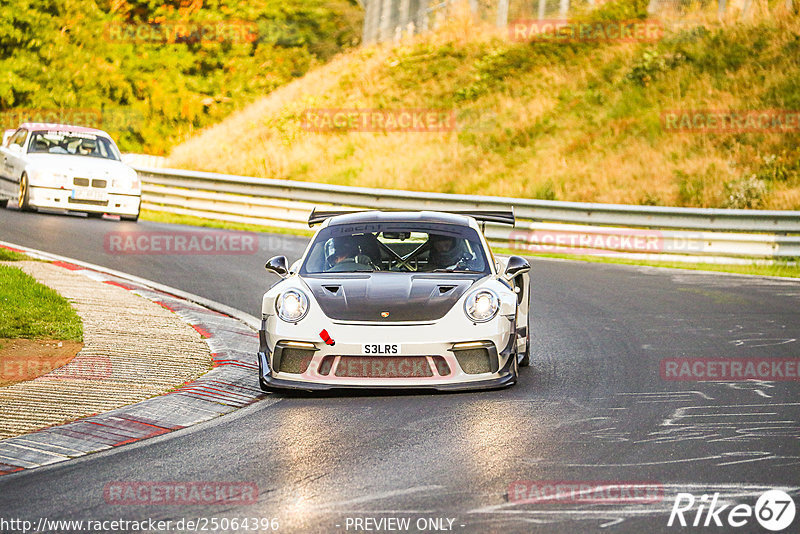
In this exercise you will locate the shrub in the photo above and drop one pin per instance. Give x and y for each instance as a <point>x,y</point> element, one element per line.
<point>746,192</point>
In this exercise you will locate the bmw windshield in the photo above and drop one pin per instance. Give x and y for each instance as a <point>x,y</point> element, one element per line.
<point>73,143</point>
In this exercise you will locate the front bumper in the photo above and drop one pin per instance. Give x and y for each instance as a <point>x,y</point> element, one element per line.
<point>61,199</point>
<point>500,338</point>
<point>503,378</point>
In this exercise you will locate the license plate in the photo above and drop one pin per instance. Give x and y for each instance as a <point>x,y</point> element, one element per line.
<point>89,194</point>
<point>380,349</point>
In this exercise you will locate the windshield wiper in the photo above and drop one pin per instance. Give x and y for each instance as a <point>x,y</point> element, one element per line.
<point>455,271</point>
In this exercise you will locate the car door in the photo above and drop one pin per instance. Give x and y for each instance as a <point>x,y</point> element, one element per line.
<point>12,161</point>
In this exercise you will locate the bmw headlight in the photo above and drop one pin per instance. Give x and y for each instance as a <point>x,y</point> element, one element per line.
<point>292,305</point>
<point>481,305</point>
<point>47,177</point>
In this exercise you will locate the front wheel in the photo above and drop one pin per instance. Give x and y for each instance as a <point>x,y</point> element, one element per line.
<point>24,199</point>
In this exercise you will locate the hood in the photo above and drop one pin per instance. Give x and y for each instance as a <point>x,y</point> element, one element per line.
<point>79,165</point>
<point>406,297</point>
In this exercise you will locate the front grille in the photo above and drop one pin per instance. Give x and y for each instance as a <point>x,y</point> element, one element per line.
<point>81,182</point>
<point>473,361</point>
<point>325,366</point>
<point>92,202</point>
<point>441,366</point>
<point>383,367</point>
<point>99,183</point>
<point>295,360</point>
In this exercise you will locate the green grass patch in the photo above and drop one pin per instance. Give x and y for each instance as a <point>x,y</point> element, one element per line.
<point>780,268</point>
<point>10,255</point>
<point>31,310</point>
<point>190,220</point>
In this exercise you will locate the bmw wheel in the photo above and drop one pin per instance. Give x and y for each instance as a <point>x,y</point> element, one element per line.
<point>24,194</point>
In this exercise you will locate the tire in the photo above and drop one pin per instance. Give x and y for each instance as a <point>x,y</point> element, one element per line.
<point>24,195</point>
<point>525,361</point>
<point>4,203</point>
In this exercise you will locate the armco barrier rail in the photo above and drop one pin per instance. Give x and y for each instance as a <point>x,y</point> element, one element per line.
<point>684,234</point>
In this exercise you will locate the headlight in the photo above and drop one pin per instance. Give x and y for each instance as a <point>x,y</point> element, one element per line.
<point>481,305</point>
<point>130,181</point>
<point>47,176</point>
<point>292,305</point>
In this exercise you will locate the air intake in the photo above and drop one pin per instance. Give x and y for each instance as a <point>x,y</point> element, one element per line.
<point>295,360</point>
<point>474,361</point>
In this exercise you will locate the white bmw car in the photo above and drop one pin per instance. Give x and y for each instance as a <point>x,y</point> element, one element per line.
<point>62,167</point>
<point>391,299</point>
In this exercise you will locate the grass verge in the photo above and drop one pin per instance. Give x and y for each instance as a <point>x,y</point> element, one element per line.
<point>190,220</point>
<point>784,269</point>
<point>32,310</point>
<point>10,255</point>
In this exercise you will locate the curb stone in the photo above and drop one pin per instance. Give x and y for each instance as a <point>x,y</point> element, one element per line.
<point>231,384</point>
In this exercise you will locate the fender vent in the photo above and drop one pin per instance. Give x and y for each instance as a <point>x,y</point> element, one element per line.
<point>445,289</point>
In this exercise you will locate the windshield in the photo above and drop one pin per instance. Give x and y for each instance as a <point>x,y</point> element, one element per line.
<point>396,247</point>
<point>74,143</point>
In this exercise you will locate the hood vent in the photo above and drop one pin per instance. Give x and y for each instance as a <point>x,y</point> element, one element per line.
<point>333,290</point>
<point>445,289</point>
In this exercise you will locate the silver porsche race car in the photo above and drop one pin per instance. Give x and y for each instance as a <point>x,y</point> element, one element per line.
<point>393,299</point>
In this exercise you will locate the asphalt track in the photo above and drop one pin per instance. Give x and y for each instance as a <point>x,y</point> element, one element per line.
<point>593,407</point>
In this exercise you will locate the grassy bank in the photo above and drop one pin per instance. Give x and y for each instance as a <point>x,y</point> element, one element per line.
<point>577,121</point>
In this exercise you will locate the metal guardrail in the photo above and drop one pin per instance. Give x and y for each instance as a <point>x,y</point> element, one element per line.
<point>686,234</point>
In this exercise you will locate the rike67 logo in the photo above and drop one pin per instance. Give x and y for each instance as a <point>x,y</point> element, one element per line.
<point>774,510</point>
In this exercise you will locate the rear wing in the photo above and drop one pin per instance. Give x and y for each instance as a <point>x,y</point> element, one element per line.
<point>484,216</point>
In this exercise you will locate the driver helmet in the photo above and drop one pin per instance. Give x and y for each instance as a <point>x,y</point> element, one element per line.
<point>446,250</point>
<point>87,146</point>
<point>339,247</point>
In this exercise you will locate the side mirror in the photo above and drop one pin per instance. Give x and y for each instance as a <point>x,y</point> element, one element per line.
<point>278,266</point>
<point>516,266</point>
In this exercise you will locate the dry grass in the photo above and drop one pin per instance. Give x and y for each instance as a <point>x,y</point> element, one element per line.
<point>551,123</point>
